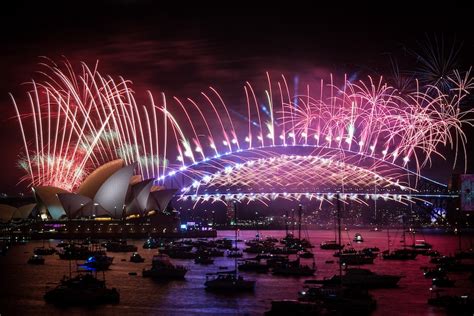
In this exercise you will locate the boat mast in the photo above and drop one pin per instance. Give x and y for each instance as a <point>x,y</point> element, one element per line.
<point>300,210</point>
<point>375,198</point>
<point>235,239</point>
<point>404,229</point>
<point>70,268</point>
<point>292,222</point>
<point>339,232</point>
<point>388,237</point>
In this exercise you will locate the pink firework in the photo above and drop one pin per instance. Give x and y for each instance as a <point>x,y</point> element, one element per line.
<point>82,120</point>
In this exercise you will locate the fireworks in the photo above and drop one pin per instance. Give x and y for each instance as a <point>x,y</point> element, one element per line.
<point>362,135</point>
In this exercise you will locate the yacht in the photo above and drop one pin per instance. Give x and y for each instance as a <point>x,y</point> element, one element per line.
<point>36,259</point>
<point>253,265</point>
<point>330,245</point>
<point>399,254</point>
<point>135,257</point>
<point>150,243</point>
<point>202,259</point>
<point>228,281</point>
<point>465,254</point>
<point>83,289</point>
<point>358,238</point>
<point>119,246</point>
<point>235,254</point>
<point>361,278</point>
<point>340,299</point>
<point>434,273</point>
<point>162,268</point>
<point>422,245</point>
<point>306,254</point>
<point>289,307</point>
<point>293,268</point>
<point>456,304</point>
<point>99,262</point>
<point>3,248</point>
<point>78,252</point>
<point>43,251</point>
<point>357,258</point>
<point>442,282</point>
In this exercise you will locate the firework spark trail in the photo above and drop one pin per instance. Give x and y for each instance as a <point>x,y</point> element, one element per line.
<point>83,120</point>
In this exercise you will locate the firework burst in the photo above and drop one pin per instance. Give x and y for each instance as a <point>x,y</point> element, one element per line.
<point>76,122</point>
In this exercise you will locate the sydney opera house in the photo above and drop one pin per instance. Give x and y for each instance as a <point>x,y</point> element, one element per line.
<point>111,200</point>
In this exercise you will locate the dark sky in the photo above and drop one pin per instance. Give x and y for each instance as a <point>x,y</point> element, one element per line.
<point>182,49</point>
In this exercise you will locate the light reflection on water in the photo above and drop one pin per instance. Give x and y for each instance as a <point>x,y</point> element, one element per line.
<point>22,285</point>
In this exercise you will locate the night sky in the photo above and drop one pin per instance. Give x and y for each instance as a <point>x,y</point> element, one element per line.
<point>181,50</point>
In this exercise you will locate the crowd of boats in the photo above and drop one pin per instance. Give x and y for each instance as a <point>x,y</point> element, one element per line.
<point>346,291</point>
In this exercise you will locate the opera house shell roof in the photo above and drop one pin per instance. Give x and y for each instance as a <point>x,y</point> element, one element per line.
<point>8,213</point>
<point>106,192</point>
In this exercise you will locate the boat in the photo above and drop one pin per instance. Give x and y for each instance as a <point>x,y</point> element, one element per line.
<point>78,252</point>
<point>306,254</point>
<point>337,297</point>
<point>253,265</point>
<point>340,299</point>
<point>465,254</point>
<point>357,258</point>
<point>36,259</point>
<point>431,253</point>
<point>228,281</point>
<point>62,244</point>
<point>203,260</point>
<point>399,254</point>
<point>83,289</point>
<point>119,246</point>
<point>235,254</point>
<point>348,251</point>
<point>456,304</point>
<point>330,245</point>
<point>294,307</point>
<point>135,257</point>
<point>43,251</point>
<point>361,278</point>
<point>358,238</point>
<point>3,248</point>
<point>442,282</point>
<point>422,245</point>
<point>444,260</point>
<point>434,273</point>
<point>99,262</point>
<point>178,254</point>
<point>162,268</point>
<point>293,268</point>
<point>150,243</point>
<point>371,250</point>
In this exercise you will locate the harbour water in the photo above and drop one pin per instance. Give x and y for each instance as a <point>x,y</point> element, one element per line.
<point>23,286</point>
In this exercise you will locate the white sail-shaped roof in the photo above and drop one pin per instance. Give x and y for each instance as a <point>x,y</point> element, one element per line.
<point>46,197</point>
<point>73,203</point>
<point>139,193</point>
<point>159,200</point>
<point>6,212</point>
<point>112,193</point>
<point>23,212</point>
<point>91,185</point>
